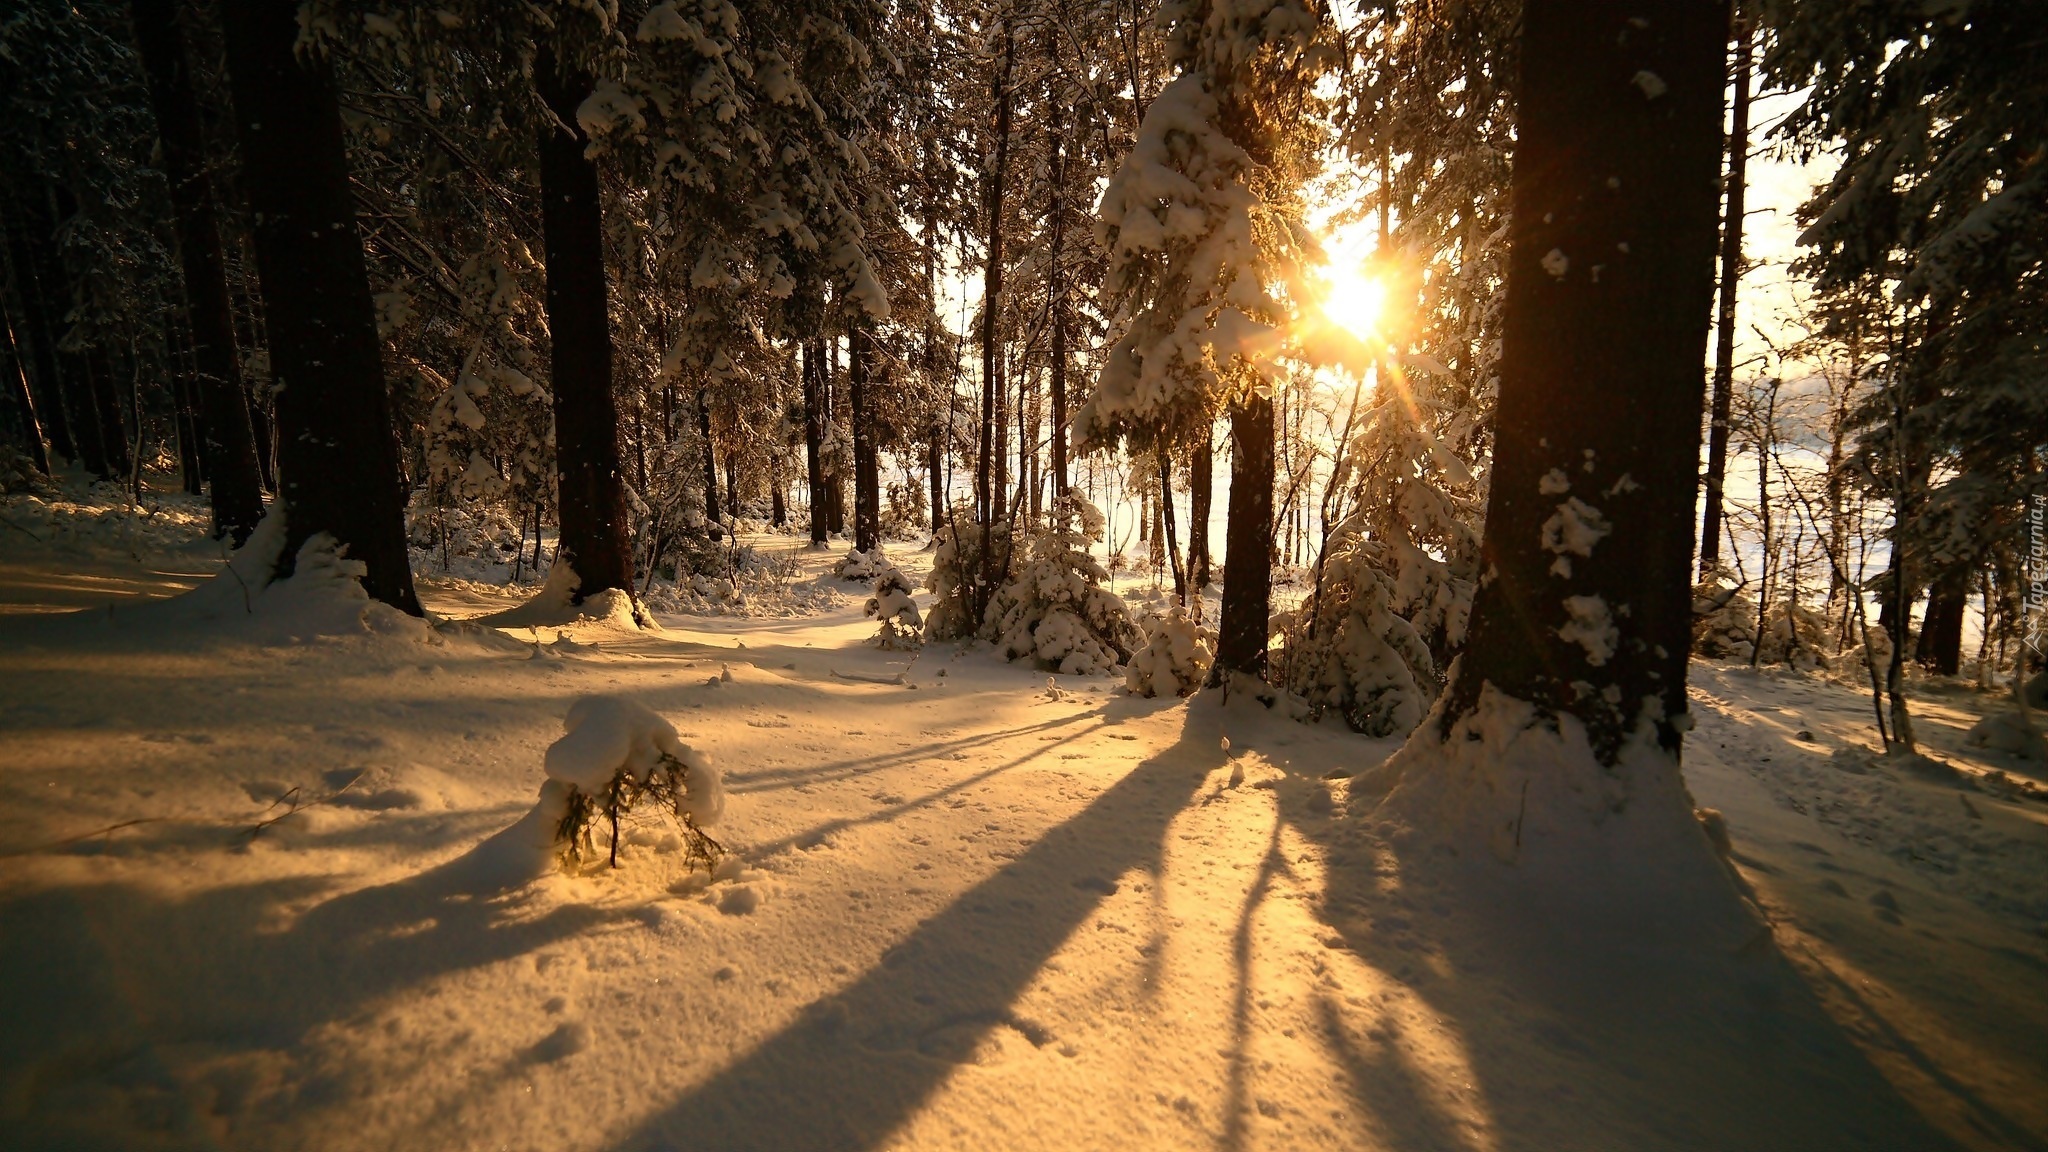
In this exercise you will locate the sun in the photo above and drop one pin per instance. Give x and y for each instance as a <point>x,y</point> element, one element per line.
<point>1355,300</point>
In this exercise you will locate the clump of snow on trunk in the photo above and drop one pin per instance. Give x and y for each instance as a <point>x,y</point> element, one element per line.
<point>902,628</point>
<point>1054,610</point>
<point>1175,658</point>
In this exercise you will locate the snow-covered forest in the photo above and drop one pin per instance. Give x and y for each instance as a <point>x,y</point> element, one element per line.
<point>1001,574</point>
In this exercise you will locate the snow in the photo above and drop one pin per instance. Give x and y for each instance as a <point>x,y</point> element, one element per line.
<point>959,911</point>
<point>1591,626</point>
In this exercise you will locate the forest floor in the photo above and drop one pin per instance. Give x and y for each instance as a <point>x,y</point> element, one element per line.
<point>966,907</point>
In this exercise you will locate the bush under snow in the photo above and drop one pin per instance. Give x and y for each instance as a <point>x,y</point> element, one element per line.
<point>1350,652</point>
<point>615,753</point>
<point>859,565</point>
<point>1175,658</point>
<point>902,628</point>
<point>1054,610</point>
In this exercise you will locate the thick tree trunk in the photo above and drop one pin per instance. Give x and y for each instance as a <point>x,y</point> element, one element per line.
<point>24,400</point>
<point>1201,491</point>
<point>1731,279</point>
<point>230,444</point>
<point>336,458</point>
<point>1940,649</point>
<point>814,435</point>
<point>587,460</point>
<point>35,335</point>
<point>867,464</point>
<point>1586,608</point>
<point>1244,625</point>
<point>835,477</point>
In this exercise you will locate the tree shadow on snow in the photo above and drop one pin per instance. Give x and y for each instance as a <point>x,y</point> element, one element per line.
<point>98,982</point>
<point>1583,1039</point>
<point>860,1063</point>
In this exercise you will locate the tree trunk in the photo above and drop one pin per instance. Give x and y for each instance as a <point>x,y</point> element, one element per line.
<point>989,467</point>
<point>1731,278</point>
<point>106,402</point>
<point>230,444</point>
<point>37,333</point>
<point>1588,545</point>
<point>935,476</point>
<point>835,480</point>
<point>337,462</point>
<point>1940,649</point>
<point>1244,625</point>
<point>778,512</point>
<point>1201,492</point>
<point>867,464</point>
<point>587,460</point>
<point>814,434</point>
<point>710,460</point>
<point>24,400</point>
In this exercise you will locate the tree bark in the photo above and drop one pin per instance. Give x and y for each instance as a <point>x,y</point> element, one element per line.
<point>1244,625</point>
<point>1731,279</point>
<point>24,400</point>
<point>710,460</point>
<point>1201,492</point>
<point>867,464</point>
<point>230,439</point>
<point>1940,649</point>
<point>1586,604</point>
<point>37,333</point>
<point>814,435</point>
<point>587,459</point>
<point>337,462</point>
<point>106,404</point>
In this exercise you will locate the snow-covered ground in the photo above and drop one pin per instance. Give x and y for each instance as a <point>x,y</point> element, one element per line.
<point>242,904</point>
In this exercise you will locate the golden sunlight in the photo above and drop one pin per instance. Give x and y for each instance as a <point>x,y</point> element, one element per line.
<point>1354,300</point>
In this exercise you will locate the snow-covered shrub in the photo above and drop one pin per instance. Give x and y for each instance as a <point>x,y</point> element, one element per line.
<point>1054,610</point>
<point>1724,626</point>
<point>956,565</point>
<point>614,754</point>
<point>18,474</point>
<point>863,566</point>
<point>902,628</point>
<point>1348,650</point>
<point>906,511</point>
<point>1175,658</point>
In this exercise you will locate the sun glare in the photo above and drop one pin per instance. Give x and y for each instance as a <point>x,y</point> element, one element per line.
<point>1355,299</point>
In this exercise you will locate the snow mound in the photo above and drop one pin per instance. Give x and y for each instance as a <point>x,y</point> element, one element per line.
<point>1175,658</point>
<point>859,565</point>
<point>605,737</point>
<point>556,606</point>
<point>1522,802</point>
<point>2006,732</point>
<point>323,597</point>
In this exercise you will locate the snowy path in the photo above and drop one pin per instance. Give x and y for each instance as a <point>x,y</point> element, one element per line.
<point>973,914</point>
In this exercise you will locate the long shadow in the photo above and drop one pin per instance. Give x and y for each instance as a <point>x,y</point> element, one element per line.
<point>1589,1038</point>
<point>97,980</point>
<point>860,1063</point>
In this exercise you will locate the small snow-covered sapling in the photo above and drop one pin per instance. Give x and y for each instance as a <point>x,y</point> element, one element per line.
<point>616,753</point>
